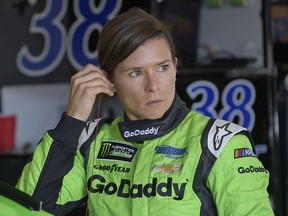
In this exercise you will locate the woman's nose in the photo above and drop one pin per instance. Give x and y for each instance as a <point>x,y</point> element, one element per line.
<point>152,82</point>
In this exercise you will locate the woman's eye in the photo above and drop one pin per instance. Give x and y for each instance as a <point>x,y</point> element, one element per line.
<point>163,68</point>
<point>135,73</point>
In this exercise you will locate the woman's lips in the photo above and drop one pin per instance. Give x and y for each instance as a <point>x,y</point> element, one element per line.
<point>154,103</point>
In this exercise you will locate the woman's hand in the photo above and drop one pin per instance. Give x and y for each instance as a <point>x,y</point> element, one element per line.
<point>85,86</point>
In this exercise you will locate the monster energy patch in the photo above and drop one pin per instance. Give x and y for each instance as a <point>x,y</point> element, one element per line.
<point>116,151</point>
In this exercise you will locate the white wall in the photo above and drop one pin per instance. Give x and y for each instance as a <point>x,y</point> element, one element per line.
<point>37,109</point>
<point>234,29</point>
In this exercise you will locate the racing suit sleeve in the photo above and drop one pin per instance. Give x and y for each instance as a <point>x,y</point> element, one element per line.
<point>56,174</point>
<point>238,181</point>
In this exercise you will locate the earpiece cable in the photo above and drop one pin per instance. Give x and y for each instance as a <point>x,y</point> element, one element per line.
<point>94,150</point>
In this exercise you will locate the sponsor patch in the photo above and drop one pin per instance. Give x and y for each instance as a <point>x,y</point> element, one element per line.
<point>137,132</point>
<point>112,168</point>
<point>116,151</point>
<point>167,168</point>
<point>170,151</point>
<point>129,189</point>
<point>221,133</point>
<point>251,169</point>
<point>243,152</point>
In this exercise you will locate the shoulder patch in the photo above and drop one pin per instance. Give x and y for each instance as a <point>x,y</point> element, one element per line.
<point>243,152</point>
<point>87,131</point>
<point>220,133</point>
<point>90,127</point>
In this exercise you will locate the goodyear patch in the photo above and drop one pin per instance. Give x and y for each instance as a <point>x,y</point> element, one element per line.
<point>243,152</point>
<point>116,151</point>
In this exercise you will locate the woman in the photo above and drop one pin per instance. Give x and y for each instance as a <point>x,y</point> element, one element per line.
<point>159,158</point>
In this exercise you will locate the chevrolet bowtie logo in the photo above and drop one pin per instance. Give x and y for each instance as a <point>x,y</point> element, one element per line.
<point>167,168</point>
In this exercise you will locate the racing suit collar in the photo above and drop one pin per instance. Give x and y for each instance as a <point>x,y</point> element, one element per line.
<point>141,130</point>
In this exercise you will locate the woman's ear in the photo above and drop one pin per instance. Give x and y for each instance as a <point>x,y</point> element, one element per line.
<point>175,66</point>
<point>112,81</point>
<point>114,89</point>
<point>175,62</point>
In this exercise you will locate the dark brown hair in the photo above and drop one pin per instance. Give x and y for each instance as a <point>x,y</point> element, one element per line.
<point>125,33</point>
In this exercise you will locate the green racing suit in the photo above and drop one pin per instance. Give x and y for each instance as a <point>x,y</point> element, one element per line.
<point>182,164</point>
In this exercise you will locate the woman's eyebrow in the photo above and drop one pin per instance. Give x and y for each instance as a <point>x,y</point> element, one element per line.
<point>165,61</point>
<point>139,67</point>
<point>133,68</point>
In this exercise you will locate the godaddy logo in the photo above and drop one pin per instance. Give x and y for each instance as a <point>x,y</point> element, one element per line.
<point>137,132</point>
<point>129,189</point>
<point>251,169</point>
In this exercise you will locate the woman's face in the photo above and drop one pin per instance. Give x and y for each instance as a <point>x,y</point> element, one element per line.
<point>145,80</point>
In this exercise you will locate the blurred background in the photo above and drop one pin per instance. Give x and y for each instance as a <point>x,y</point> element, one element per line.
<point>233,65</point>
